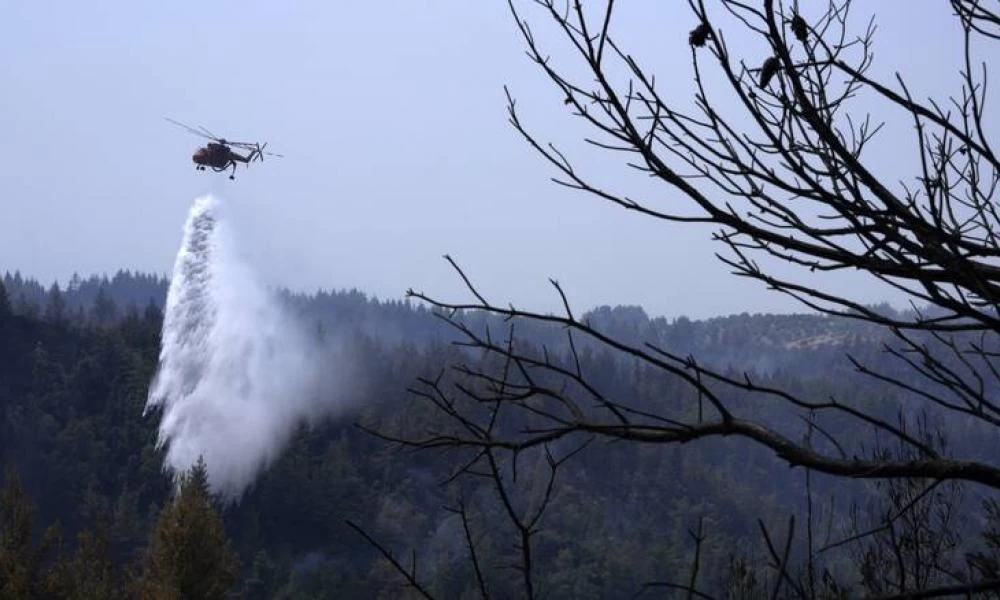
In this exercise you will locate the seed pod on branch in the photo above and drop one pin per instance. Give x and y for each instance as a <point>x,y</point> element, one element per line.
<point>767,70</point>
<point>799,28</point>
<point>699,35</point>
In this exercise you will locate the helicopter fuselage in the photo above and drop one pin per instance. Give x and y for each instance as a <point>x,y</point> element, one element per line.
<point>218,156</point>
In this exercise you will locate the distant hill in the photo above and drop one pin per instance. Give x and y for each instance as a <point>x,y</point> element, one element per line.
<point>754,342</point>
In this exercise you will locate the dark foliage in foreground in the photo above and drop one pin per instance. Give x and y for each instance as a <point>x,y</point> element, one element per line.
<point>71,426</point>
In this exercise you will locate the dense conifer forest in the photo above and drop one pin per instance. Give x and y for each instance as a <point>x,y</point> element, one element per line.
<point>84,477</point>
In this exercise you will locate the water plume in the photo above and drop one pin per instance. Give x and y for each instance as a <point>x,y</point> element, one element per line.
<point>237,373</point>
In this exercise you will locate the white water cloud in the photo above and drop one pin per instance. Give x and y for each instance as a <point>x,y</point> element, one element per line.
<point>237,372</point>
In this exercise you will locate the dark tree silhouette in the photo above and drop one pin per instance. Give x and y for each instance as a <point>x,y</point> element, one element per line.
<point>777,155</point>
<point>189,554</point>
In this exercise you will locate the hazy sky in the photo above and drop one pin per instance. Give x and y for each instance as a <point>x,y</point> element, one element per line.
<point>391,117</point>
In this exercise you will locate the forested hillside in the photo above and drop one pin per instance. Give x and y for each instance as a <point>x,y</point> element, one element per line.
<point>73,384</point>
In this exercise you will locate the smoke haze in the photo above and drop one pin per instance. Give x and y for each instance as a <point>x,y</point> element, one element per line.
<point>237,372</point>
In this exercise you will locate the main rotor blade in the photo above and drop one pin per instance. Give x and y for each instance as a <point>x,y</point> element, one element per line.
<point>190,129</point>
<point>209,133</point>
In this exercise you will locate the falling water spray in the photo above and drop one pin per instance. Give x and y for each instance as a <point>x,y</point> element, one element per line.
<point>237,372</point>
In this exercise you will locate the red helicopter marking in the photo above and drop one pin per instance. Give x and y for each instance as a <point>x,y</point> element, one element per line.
<point>219,153</point>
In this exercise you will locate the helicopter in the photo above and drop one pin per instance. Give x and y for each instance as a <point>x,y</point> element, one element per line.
<point>219,153</point>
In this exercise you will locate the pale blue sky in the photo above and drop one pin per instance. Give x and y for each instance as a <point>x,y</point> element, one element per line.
<point>391,117</point>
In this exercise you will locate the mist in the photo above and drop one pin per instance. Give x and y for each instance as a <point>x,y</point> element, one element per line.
<point>237,372</point>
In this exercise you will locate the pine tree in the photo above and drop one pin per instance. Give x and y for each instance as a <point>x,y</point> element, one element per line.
<point>152,314</point>
<point>21,562</point>
<point>261,578</point>
<point>189,555</point>
<point>55,306</point>
<point>105,310</point>
<point>46,375</point>
<point>25,307</point>
<point>89,574</point>
<point>16,553</point>
<point>5,307</point>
